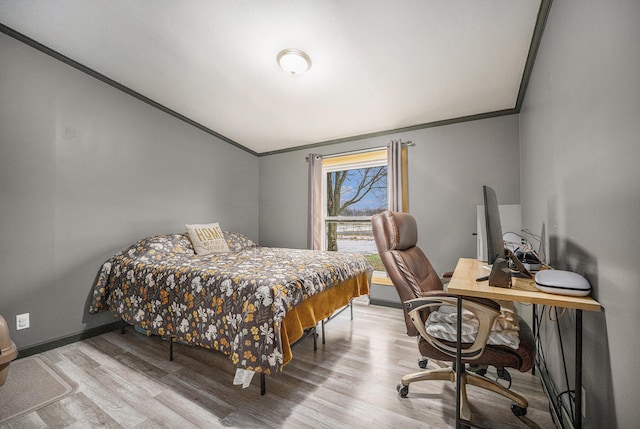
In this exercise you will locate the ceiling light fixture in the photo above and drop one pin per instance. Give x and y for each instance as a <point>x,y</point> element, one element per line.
<point>294,62</point>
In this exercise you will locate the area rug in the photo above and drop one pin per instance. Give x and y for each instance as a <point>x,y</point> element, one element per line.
<point>31,384</point>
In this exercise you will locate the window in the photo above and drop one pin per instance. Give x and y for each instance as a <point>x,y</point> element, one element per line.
<point>354,188</point>
<point>345,190</point>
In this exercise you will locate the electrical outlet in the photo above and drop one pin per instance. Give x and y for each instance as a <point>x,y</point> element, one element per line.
<point>584,402</point>
<point>22,321</point>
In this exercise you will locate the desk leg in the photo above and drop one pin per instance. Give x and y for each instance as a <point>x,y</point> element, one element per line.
<point>578,394</point>
<point>535,338</point>
<point>458,361</point>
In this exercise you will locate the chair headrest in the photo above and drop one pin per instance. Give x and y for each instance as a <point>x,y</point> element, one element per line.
<point>401,229</point>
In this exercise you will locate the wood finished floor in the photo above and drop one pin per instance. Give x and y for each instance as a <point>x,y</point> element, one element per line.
<point>350,382</point>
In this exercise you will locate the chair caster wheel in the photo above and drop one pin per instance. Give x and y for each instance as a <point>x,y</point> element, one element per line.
<point>403,390</point>
<point>518,411</point>
<point>423,362</point>
<point>504,378</point>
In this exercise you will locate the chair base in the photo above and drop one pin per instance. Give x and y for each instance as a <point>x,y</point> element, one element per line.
<point>448,374</point>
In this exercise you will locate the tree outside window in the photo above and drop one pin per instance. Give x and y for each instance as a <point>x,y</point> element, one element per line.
<point>353,195</point>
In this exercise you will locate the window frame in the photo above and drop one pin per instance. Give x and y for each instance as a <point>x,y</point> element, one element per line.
<point>366,159</point>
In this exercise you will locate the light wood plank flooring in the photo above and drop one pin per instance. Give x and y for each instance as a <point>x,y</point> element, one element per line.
<point>350,382</point>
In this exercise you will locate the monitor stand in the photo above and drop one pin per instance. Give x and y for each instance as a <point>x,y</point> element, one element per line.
<point>520,272</point>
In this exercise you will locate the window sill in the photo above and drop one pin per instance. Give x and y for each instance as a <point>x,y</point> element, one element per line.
<point>381,280</point>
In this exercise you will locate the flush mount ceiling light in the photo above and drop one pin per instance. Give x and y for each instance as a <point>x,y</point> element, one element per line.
<point>294,62</point>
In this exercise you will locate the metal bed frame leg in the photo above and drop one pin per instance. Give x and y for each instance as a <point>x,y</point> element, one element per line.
<point>350,305</point>
<point>263,379</point>
<point>123,326</point>
<point>315,339</point>
<point>171,348</point>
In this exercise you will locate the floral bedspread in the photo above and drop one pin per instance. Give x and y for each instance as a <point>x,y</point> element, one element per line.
<point>232,302</point>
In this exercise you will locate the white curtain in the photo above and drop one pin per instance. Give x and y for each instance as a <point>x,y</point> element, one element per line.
<point>314,206</point>
<point>396,176</point>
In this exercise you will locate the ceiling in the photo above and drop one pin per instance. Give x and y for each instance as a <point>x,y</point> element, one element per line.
<point>377,65</point>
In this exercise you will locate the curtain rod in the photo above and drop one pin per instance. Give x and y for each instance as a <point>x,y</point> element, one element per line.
<point>355,152</point>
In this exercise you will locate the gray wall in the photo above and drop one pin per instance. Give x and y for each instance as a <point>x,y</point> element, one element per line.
<point>447,167</point>
<point>86,170</point>
<point>580,147</point>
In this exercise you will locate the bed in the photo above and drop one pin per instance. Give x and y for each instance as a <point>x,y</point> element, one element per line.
<point>250,303</point>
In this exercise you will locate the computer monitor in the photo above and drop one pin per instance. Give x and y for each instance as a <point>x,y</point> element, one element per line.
<point>495,242</point>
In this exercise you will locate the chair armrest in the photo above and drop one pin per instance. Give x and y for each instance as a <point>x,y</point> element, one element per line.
<point>484,309</point>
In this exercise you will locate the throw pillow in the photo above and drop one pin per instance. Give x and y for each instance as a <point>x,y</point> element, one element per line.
<point>207,238</point>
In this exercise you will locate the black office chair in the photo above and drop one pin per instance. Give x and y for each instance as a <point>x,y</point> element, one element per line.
<point>421,291</point>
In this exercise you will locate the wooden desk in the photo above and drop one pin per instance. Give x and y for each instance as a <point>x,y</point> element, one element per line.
<point>463,283</point>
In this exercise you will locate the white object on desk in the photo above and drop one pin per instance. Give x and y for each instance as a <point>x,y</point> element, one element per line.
<point>562,283</point>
